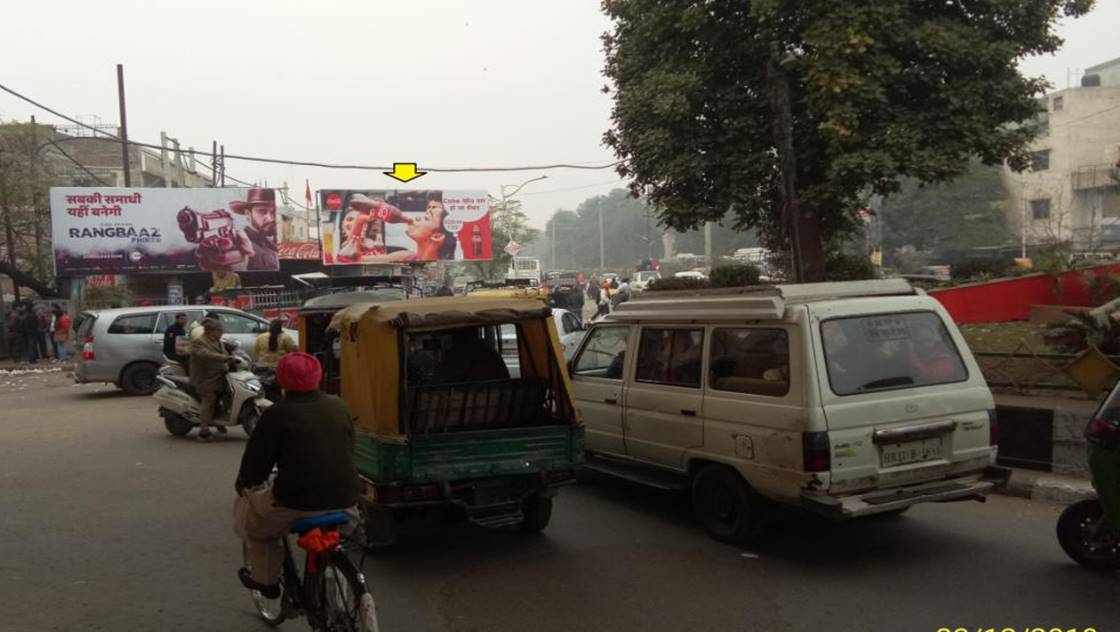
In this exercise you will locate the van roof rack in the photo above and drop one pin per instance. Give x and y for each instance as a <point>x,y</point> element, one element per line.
<point>756,302</point>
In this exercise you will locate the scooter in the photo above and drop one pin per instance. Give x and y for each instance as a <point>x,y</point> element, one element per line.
<point>1089,530</point>
<point>242,404</point>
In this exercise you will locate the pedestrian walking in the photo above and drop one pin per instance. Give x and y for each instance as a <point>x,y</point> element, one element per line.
<point>15,338</point>
<point>60,332</point>
<point>604,301</point>
<point>28,329</point>
<point>43,332</point>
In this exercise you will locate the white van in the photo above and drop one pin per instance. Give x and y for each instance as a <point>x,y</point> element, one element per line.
<point>848,399</point>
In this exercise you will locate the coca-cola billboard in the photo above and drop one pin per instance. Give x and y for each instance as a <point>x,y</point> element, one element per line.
<point>395,226</point>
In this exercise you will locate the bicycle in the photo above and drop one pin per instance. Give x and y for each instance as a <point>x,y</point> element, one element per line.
<point>331,591</point>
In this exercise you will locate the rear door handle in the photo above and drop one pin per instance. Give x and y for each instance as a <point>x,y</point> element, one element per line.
<point>688,413</point>
<point>610,400</point>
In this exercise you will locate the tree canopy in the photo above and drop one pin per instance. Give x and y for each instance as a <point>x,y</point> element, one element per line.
<point>876,92</point>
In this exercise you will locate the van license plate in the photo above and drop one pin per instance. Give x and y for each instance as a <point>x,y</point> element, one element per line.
<point>910,452</point>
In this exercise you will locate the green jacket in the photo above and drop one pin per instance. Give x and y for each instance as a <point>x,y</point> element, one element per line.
<point>209,363</point>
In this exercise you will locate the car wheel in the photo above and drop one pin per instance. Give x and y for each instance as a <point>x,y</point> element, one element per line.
<point>140,379</point>
<point>727,507</point>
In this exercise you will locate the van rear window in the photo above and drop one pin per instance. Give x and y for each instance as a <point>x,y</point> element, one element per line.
<point>889,351</point>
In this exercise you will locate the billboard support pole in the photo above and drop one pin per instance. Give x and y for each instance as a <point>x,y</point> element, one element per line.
<point>124,127</point>
<point>214,163</point>
<point>222,165</point>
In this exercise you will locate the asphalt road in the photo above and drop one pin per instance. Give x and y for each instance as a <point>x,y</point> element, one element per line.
<point>109,523</point>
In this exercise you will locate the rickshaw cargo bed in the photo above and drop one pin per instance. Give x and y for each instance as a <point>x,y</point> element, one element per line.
<point>474,454</point>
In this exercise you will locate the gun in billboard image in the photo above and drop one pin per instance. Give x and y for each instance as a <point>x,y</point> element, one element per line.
<point>221,245</point>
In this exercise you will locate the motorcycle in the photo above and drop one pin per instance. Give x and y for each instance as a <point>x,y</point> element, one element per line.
<point>1089,530</point>
<point>242,404</point>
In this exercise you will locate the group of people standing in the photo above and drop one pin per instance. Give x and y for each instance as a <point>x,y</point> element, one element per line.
<point>37,333</point>
<point>608,294</point>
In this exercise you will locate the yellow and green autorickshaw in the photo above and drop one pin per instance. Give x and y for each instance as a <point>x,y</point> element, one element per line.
<point>444,427</point>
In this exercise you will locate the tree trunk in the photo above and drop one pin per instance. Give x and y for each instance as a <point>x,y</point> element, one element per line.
<point>21,278</point>
<point>800,221</point>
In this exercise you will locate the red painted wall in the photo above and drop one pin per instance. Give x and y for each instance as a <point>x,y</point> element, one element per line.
<point>1005,300</point>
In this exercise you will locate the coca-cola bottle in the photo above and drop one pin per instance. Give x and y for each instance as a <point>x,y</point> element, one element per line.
<point>476,242</point>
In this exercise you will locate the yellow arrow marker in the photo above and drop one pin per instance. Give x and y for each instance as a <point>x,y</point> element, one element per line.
<point>404,171</point>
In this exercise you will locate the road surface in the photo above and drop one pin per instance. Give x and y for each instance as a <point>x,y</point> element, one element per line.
<point>109,523</point>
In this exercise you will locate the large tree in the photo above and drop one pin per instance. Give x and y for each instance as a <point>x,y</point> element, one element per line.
<point>25,179</point>
<point>790,114</point>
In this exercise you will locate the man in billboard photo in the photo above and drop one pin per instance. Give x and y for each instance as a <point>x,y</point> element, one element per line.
<point>260,209</point>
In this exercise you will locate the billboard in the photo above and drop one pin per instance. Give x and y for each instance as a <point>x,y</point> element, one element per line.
<point>107,230</point>
<point>396,226</point>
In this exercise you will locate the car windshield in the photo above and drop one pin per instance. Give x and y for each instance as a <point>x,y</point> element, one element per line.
<point>889,351</point>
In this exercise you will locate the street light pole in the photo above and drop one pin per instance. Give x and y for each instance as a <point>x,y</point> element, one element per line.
<point>602,248</point>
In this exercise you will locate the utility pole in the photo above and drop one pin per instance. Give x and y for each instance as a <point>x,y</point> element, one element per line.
<point>602,248</point>
<point>163,140</point>
<point>214,163</point>
<point>553,231</point>
<point>222,164</point>
<point>124,127</point>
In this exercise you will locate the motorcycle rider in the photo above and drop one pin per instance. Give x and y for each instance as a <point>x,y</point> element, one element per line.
<point>209,364</point>
<point>309,437</point>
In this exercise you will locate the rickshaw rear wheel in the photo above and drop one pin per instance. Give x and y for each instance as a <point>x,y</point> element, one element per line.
<point>537,510</point>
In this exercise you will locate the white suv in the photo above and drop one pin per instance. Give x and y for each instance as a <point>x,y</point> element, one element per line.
<point>848,399</point>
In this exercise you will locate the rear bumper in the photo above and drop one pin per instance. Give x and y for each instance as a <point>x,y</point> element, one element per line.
<point>881,501</point>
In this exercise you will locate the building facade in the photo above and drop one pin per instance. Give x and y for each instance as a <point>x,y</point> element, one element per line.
<point>1070,194</point>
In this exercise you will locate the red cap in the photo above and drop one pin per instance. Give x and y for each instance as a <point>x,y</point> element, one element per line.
<point>299,372</point>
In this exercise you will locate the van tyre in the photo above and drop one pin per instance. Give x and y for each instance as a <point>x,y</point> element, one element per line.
<point>729,509</point>
<point>140,379</point>
<point>177,425</point>
<point>537,510</point>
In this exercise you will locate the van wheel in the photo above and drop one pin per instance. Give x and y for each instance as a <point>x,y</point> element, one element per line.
<point>729,510</point>
<point>538,512</point>
<point>140,379</point>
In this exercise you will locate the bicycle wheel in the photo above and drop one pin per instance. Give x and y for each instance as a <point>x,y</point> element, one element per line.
<point>271,611</point>
<point>347,604</point>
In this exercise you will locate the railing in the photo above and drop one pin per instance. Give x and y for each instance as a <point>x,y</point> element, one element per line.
<point>1024,370</point>
<point>1095,177</point>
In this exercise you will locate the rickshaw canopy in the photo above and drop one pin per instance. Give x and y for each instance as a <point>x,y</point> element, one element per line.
<point>372,338</point>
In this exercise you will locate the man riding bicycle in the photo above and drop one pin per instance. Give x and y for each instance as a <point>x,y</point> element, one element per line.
<point>309,437</point>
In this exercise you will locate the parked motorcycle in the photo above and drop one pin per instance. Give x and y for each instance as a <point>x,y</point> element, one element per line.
<point>242,404</point>
<point>1089,530</point>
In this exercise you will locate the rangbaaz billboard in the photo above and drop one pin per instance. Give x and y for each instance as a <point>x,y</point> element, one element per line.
<point>109,230</point>
<point>394,226</point>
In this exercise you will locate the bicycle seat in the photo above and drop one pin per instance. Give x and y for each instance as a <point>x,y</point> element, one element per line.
<point>322,521</point>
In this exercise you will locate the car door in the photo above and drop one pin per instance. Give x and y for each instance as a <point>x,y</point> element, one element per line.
<point>244,329</point>
<point>128,340</point>
<point>597,372</point>
<point>664,397</point>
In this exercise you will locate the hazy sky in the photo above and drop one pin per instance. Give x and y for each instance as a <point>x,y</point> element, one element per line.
<point>443,83</point>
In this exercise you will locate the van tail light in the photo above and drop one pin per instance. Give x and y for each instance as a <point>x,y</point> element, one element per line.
<point>993,428</point>
<point>87,348</point>
<point>816,451</point>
